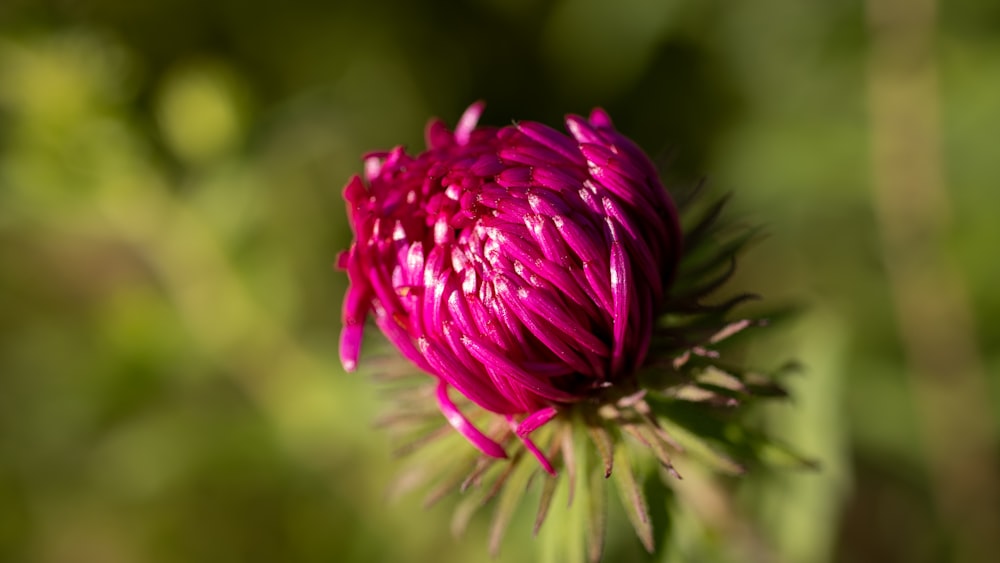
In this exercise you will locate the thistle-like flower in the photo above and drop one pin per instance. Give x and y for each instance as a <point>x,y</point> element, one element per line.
<point>542,280</point>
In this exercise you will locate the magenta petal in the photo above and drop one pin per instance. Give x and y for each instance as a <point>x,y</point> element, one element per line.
<point>549,204</point>
<point>541,329</point>
<point>552,139</point>
<point>600,119</point>
<point>621,292</point>
<point>535,420</point>
<point>597,279</point>
<point>519,177</point>
<point>558,179</point>
<point>505,397</point>
<point>355,192</point>
<point>458,421</point>
<point>582,130</point>
<point>547,237</point>
<point>517,247</point>
<point>531,447</point>
<point>603,157</point>
<point>414,263</point>
<point>582,238</point>
<point>458,308</point>
<point>395,328</point>
<point>437,135</point>
<point>350,346</point>
<point>373,167</point>
<point>540,305</point>
<point>512,211</point>
<point>434,304</point>
<point>342,258</point>
<point>529,154</point>
<point>637,244</point>
<point>491,194</point>
<point>487,165</point>
<point>447,367</point>
<point>468,122</point>
<point>491,356</point>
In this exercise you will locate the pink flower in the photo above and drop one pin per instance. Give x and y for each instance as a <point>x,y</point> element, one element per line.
<point>520,266</point>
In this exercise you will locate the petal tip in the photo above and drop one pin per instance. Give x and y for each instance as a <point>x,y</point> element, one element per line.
<point>600,119</point>
<point>467,123</point>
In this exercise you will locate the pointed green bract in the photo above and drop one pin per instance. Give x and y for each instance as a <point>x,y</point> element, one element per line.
<point>655,443</point>
<point>545,502</point>
<point>597,513</point>
<point>632,497</point>
<point>603,442</point>
<point>510,498</point>
<point>589,501</point>
<point>703,451</point>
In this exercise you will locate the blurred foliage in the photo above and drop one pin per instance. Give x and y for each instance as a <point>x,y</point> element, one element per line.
<point>170,176</point>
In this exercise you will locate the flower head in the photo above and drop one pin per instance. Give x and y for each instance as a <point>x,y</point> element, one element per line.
<point>521,266</point>
<point>544,278</point>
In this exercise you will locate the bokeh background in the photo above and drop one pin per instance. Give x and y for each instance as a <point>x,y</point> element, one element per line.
<point>170,177</point>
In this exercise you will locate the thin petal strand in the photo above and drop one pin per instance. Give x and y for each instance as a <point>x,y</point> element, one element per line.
<point>458,421</point>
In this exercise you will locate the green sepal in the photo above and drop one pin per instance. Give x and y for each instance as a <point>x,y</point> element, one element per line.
<point>632,497</point>
<point>513,491</point>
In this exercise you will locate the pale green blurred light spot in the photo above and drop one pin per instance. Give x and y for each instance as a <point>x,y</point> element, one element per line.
<point>201,111</point>
<point>59,79</point>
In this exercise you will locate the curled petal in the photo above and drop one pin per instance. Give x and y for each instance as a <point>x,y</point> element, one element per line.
<point>529,425</point>
<point>458,421</point>
<point>536,420</point>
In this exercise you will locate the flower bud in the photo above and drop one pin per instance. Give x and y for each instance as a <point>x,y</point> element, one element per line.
<point>521,266</point>
<point>543,276</point>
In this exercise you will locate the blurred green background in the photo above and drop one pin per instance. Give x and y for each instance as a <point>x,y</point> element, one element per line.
<point>170,177</point>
